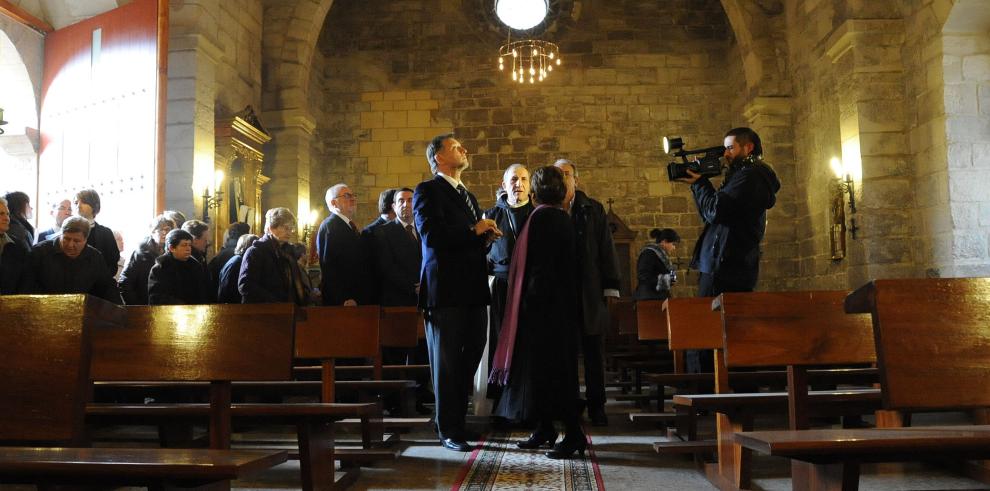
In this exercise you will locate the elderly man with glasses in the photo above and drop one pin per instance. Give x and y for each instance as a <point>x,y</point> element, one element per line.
<point>343,261</point>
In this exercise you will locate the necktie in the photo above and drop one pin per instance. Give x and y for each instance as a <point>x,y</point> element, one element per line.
<point>354,228</point>
<point>412,233</point>
<point>464,195</point>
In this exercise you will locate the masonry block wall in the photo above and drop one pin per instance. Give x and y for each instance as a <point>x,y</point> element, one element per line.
<point>632,73</point>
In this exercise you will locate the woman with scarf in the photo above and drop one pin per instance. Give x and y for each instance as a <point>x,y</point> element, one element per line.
<point>269,272</point>
<point>537,356</point>
<point>655,274</point>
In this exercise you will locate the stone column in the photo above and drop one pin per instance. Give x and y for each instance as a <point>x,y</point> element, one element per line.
<point>867,59</point>
<point>770,117</point>
<point>288,161</point>
<point>189,130</point>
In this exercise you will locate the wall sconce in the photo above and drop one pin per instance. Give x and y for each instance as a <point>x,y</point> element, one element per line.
<point>215,200</point>
<point>308,228</point>
<point>2,122</point>
<point>309,237</point>
<point>841,184</point>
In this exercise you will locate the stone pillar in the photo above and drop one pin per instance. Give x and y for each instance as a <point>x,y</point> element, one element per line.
<point>770,117</point>
<point>867,58</point>
<point>189,130</point>
<point>288,161</point>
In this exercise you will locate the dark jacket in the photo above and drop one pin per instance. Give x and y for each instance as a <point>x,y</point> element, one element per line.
<point>735,219</point>
<point>454,271</point>
<point>15,270</point>
<point>55,273</point>
<point>174,282</point>
<point>265,275</point>
<point>101,238</point>
<point>216,264</point>
<point>227,289</point>
<point>651,264</point>
<point>597,263</point>
<point>211,288</point>
<point>345,271</point>
<point>510,221</point>
<point>21,231</point>
<point>399,257</point>
<point>133,280</point>
<point>370,247</point>
<point>46,234</point>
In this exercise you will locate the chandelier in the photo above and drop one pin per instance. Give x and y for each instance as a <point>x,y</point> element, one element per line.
<point>529,59</point>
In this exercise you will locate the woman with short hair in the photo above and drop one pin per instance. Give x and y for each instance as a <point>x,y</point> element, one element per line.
<point>177,278</point>
<point>655,274</point>
<point>134,278</point>
<point>269,273</point>
<point>227,289</point>
<point>15,273</point>
<point>537,356</point>
<point>87,205</point>
<point>67,264</point>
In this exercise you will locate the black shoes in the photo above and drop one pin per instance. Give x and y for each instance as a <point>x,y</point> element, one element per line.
<point>566,448</point>
<point>597,416</point>
<point>456,445</point>
<point>538,439</point>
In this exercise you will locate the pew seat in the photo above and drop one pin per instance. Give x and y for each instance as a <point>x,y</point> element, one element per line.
<point>850,401</point>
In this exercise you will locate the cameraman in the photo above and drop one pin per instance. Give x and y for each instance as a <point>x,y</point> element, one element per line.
<point>727,254</point>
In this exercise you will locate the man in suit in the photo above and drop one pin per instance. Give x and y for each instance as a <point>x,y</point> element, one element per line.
<point>385,215</point>
<point>399,255</point>
<point>343,261</point>
<point>453,283</point>
<point>599,276</point>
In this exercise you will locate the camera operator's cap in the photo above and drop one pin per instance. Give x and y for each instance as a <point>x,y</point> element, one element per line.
<point>671,144</point>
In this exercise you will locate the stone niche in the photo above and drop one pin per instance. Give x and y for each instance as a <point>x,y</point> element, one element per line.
<point>240,141</point>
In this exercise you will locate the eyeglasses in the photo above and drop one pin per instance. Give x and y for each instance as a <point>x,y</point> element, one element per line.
<point>348,196</point>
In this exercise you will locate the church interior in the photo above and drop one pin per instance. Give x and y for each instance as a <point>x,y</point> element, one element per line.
<point>871,114</point>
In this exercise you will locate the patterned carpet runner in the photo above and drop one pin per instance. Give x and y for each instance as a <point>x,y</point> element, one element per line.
<point>498,465</point>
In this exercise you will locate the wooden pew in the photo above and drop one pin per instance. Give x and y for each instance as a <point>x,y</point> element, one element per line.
<point>45,356</point>
<point>216,345</point>
<point>931,338</point>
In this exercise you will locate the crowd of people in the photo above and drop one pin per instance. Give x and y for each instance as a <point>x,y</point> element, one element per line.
<point>546,245</point>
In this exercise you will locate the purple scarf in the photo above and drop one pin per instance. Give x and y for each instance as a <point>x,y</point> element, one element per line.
<point>502,363</point>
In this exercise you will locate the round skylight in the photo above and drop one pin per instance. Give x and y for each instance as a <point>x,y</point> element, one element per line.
<point>521,14</point>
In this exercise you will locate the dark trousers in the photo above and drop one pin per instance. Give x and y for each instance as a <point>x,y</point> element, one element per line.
<point>703,361</point>
<point>594,371</point>
<point>500,289</point>
<point>455,338</point>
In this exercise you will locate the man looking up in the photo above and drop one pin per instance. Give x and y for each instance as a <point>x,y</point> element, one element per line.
<point>453,283</point>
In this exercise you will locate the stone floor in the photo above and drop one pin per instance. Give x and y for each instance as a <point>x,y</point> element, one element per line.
<point>626,459</point>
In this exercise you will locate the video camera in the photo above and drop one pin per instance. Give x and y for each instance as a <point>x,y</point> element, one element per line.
<point>708,165</point>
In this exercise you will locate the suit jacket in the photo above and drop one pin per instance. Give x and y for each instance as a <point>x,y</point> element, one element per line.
<point>399,257</point>
<point>597,262</point>
<point>346,273</point>
<point>454,271</point>
<point>370,248</point>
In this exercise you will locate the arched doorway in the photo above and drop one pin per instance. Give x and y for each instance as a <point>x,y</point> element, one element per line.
<point>18,152</point>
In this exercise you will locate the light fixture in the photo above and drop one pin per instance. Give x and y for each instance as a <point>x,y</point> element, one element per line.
<point>521,14</point>
<point>842,183</point>
<point>529,60</point>
<point>2,122</point>
<point>217,198</point>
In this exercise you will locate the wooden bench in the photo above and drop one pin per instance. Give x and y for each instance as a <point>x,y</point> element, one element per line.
<point>930,338</point>
<point>216,345</point>
<point>45,357</point>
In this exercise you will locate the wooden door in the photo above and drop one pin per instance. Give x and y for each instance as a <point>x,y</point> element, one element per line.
<point>100,125</point>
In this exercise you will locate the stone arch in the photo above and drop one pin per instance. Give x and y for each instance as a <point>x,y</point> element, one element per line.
<point>758,27</point>
<point>18,149</point>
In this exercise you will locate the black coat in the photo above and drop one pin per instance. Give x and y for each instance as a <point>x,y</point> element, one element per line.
<point>55,273</point>
<point>510,221</point>
<point>174,282</point>
<point>15,270</point>
<point>399,257</point>
<point>543,380</point>
<point>265,275</point>
<point>21,231</point>
<point>345,270</point>
<point>454,271</point>
<point>101,238</point>
<point>652,263</point>
<point>370,247</point>
<point>227,289</point>
<point>133,280</point>
<point>598,267</point>
<point>735,219</point>
<point>216,264</point>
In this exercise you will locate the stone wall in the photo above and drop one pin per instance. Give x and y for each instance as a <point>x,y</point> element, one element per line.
<point>632,72</point>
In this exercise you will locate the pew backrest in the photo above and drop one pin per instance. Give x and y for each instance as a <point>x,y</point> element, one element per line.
<point>651,322</point>
<point>44,358</point>
<point>338,332</point>
<point>400,327</point>
<point>762,329</point>
<point>622,313</point>
<point>692,324</point>
<point>197,343</point>
<point>932,340</point>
